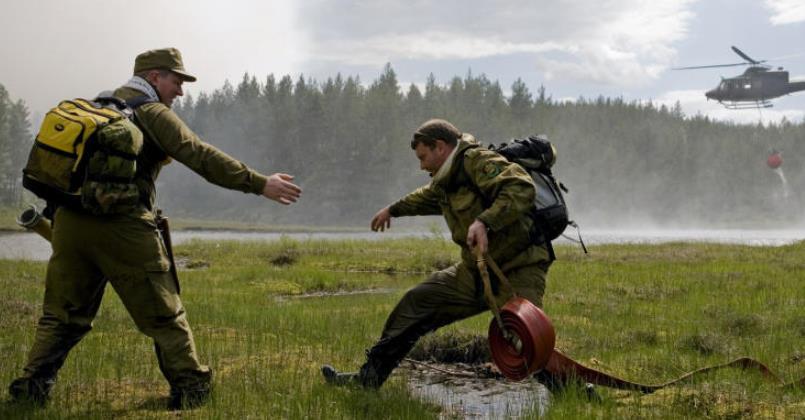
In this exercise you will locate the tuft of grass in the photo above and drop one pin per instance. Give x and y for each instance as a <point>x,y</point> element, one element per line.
<point>707,343</point>
<point>743,325</point>
<point>453,346</point>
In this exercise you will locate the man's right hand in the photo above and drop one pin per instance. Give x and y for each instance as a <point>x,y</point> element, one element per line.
<point>382,220</point>
<point>280,189</point>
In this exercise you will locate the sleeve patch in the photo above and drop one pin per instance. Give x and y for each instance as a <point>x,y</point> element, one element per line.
<point>492,169</point>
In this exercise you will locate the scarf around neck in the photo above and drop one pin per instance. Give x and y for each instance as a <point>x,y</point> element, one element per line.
<point>140,84</point>
<point>445,168</point>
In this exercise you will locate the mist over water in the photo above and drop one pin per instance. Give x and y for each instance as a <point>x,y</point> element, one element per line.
<point>30,246</point>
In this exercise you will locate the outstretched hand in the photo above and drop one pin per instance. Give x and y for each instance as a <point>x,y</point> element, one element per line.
<point>476,237</point>
<point>382,220</point>
<point>280,189</point>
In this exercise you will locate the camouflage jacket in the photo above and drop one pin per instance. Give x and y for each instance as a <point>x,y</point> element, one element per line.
<point>481,184</point>
<point>170,138</point>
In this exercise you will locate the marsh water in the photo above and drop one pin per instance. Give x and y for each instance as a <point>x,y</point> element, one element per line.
<point>464,395</point>
<point>25,245</point>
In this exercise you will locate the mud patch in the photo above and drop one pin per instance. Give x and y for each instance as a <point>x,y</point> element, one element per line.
<point>286,257</point>
<point>333,293</point>
<point>453,347</point>
<point>187,263</point>
<point>466,391</point>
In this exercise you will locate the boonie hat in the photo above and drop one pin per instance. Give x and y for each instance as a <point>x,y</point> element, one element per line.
<point>164,59</point>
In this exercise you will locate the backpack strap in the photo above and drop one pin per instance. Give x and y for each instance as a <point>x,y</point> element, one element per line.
<point>460,172</point>
<point>133,103</point>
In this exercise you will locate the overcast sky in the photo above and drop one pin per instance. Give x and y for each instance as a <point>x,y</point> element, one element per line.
<point>54,49</point>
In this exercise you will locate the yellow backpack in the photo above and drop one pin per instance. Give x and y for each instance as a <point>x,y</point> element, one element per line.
<point>85,156</point>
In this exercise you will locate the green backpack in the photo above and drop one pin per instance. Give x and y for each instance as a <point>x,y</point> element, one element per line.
<point>85,156</point>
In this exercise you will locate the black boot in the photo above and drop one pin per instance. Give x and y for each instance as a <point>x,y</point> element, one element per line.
<point>334,377</point>
<point>372,374</point>
<point>188,398</point>
<point>31,390</point>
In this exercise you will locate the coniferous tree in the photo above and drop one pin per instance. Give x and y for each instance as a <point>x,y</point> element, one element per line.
<point>348,144</point>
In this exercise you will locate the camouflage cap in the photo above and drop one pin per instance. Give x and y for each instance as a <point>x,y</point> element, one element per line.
<point>164,59</point>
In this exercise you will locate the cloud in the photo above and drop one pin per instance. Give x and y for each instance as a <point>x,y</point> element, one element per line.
<point>622,42</point>
<point>433,45</point>
<point>693,102</point>
<point>786,11</point>
<point>218,40</point>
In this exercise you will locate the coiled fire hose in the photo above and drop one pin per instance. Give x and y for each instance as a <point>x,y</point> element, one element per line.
<point>522,339</point>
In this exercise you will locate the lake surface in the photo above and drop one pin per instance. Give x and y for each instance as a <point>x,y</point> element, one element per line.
<point>25,245</point>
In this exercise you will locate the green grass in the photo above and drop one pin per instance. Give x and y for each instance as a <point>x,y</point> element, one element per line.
<point>647,313</point>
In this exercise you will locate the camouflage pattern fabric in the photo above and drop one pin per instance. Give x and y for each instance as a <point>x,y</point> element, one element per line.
<point>486,187</point>
<point>109,187</point>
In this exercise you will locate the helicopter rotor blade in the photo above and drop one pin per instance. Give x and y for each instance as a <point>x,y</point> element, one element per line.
<point>709,67</point>
<point>746,57</point>
<point>787,57</point>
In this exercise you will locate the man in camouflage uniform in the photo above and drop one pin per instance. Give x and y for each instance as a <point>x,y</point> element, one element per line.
<point>485,200</point>
<point>126,249</point>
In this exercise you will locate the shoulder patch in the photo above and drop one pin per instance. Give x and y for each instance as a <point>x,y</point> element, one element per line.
<point>492,169</point>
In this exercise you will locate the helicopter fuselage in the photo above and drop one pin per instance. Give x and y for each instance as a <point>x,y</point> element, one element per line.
<point>756,84</point>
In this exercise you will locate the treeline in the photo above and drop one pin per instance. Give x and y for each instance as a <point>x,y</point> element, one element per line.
<point>15,142</point>
<point>625,163</point>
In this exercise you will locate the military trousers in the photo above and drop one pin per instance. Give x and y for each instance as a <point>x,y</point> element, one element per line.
<point>450,295</point>
<point>128,253</point>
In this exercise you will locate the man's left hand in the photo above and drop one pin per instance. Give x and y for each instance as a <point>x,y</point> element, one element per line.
<point>476,236</point>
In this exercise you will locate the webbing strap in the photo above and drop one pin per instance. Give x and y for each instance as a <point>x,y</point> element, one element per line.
<point>488,294</point>
<point>482,261</point>
<point>498,272</point>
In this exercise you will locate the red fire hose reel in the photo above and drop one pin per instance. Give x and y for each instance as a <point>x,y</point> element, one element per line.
<point>521,337</point>
<point>528,343</point>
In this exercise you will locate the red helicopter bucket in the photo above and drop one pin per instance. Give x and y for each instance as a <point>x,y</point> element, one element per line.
<point>533,343</point>
<point>775,160</point>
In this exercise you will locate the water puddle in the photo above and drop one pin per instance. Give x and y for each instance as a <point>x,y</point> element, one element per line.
<point>475,391</point>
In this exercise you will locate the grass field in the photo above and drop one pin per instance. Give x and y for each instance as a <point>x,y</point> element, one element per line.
<point>647,313</point>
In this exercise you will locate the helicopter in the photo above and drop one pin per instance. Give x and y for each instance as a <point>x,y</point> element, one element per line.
<point>754,88</point>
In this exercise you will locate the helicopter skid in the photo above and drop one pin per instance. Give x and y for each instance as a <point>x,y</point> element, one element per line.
<point>747,105</point>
